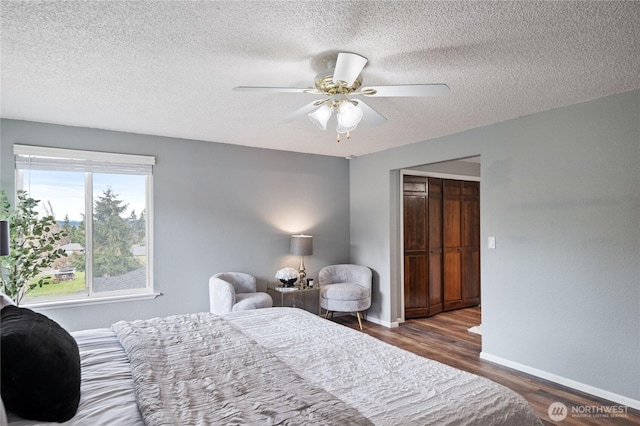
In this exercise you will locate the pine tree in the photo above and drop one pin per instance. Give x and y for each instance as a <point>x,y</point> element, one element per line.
<point>112,237</point>
<point>68,229</point>
<point>77,235</point>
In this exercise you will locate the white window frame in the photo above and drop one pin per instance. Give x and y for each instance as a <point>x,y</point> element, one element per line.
<point>60,159</point>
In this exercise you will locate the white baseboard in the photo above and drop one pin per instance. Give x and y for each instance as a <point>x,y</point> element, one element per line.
<point>372,319</point>
<point>601,393</point>
<point>381,322</point>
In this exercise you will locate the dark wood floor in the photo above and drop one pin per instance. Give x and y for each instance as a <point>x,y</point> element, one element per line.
<point>444,338</point>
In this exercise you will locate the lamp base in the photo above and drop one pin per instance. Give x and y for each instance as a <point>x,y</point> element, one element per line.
<point>301,272</point>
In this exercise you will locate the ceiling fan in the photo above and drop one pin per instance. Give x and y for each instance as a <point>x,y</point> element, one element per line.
<point>341,84</point>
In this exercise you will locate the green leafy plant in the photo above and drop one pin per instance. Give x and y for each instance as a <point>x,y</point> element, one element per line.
<point>34,246</point>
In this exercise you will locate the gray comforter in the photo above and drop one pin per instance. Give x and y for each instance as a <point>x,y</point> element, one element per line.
<point>200,370</point>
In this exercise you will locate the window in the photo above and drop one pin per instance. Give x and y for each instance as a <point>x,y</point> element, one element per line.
<point>103,202</point>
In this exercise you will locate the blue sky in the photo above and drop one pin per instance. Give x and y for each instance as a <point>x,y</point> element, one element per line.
<point>65,191</point>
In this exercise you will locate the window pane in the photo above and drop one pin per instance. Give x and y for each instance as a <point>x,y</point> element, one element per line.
<point>61,195</point>
<point>119,232</point>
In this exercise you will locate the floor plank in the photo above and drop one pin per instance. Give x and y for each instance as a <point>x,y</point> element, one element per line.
<point>445,338</point>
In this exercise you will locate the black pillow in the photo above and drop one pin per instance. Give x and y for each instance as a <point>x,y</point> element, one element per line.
<point>40,366</point>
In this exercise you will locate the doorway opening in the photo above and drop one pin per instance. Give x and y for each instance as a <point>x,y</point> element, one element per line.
<point>439,238</point>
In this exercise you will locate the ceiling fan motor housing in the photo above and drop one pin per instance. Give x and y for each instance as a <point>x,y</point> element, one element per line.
<point>325,84</point>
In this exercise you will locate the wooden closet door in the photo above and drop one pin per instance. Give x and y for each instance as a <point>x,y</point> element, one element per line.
<point>452,243</point>
<point>436,299</point>
<point>471,243</point>
<point>416,231</point>
<point>441,245</point>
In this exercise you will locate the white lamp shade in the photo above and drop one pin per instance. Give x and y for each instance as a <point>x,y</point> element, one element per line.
<point>320,116</point>
<point>349,115</point>
<point>301,245</point>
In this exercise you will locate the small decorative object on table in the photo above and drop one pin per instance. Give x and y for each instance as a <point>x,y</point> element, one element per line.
<point>287,276</point>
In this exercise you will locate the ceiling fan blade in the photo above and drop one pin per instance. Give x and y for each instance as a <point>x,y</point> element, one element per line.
<point>301,112</point>
<point>370,115</point>
<point>348,67</point>
<point>276,89</point>
<point>406,90</point>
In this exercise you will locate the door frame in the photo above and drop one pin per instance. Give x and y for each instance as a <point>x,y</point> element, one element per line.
<point>409,172</point>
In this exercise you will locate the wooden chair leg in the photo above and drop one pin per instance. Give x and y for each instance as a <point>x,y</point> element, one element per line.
<point>326,314</point>
<point>359,321</point>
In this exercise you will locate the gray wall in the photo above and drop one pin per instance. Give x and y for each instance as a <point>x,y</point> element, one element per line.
<point>217,208</point>
<point>457,168</point>
<point>560,191</point>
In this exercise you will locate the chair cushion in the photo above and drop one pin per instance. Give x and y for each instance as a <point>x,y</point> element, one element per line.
<point>344,291</point>
<point>40,367</point>
<point>247,301</point>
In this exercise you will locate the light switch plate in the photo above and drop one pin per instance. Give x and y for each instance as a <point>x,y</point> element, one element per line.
<point>492,242</point>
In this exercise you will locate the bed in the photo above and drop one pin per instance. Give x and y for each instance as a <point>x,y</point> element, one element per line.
<point>273,366</point>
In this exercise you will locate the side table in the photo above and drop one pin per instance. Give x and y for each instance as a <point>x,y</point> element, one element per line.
<point>277,291</point>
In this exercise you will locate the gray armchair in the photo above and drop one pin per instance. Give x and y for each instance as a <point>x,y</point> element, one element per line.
<point>235,291</point>
<point>345,288</point>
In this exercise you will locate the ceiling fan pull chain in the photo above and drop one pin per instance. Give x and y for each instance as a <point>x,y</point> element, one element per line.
<point>348,135</point>
<point>338,138</point>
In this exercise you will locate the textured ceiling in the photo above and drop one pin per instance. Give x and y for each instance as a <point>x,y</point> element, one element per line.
<point>167,68</point>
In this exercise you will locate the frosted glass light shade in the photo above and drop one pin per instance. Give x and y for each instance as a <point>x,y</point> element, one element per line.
<point>340,129</point>
<point>320,116</point>
<point>349,115</point>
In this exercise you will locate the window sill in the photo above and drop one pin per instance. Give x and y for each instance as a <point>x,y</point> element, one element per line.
<point>91,301</point>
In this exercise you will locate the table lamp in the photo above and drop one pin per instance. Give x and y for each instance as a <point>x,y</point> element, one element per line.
<point>301,245</point>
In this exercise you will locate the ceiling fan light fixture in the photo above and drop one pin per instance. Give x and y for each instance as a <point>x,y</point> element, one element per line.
<point>320,116</point>
<point>343,129</point>
<point>349,115</point>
